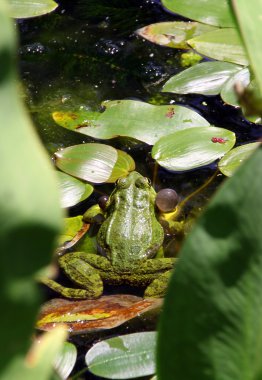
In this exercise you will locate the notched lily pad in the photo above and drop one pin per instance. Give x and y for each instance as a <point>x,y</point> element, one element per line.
<point>233,159</point>
<point>91,162</point>
<point>228,92</point>
<point>72,191</point>
<point>137,120</point>
<point>89,315</point>
<point>173,34</point>
<point>192,148</point>
<point>123,166</point>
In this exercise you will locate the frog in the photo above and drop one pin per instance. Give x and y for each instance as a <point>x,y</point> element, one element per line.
<point>127,245</point>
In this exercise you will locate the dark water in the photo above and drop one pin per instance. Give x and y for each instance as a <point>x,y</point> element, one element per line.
<point>87,52</point>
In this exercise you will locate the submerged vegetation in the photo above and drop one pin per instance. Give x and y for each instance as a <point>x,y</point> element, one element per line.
<point>209,327</point>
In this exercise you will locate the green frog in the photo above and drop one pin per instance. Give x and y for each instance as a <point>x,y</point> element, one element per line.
<point>128,241</point>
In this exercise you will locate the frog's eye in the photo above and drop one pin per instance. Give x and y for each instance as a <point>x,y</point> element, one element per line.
<point>166,200</point>
<point>121,183</point>
<point>102,201</point>
<point>143,182</point>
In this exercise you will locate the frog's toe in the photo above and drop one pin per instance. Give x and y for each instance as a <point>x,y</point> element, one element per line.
<point>157,288</point>
<point>92,293</point>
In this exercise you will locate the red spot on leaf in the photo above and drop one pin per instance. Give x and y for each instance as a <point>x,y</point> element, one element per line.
<point>219,140</point>
<point>170,112</point>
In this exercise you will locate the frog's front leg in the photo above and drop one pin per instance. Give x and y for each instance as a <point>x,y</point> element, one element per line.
<point>83,269</point>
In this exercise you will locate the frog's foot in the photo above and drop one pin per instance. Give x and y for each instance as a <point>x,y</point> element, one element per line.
<point>157,288</point>
<point>77,268</point>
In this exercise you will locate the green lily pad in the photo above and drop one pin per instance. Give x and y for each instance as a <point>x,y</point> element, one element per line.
<point>192,148</point>
<point>135,119</point>
<point>228,92</point>
<point>123,166</point>
<point>206,11</point>
<point>91,162</point>
<point>130,356</point>
<point>223,45</point>
<point>205,78</point>
<point>233,159</point>
<point>173,34</point>
<point>72,191</point>
<point>65,360</point>
<point>73,120</point>
<point>29,8</point>
<point>71,228</point>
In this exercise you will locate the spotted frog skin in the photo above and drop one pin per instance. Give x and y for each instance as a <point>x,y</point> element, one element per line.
<point>128,241</point>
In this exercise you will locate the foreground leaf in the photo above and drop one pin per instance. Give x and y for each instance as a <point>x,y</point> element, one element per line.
<point>206,78</point>
<point>205,11</point>
<point>89,315</point>
<point>192,148</point>
<point>29,8</point>
<point>223,45</point>
<point>72,191</point>
<point>173,34</point>
<point>234,158</point>
<point>130,356</point>
<point>90,162</point>
<point>138,120</point>
<point>211,329</point>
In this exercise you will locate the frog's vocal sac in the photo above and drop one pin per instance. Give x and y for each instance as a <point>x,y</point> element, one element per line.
<point>128,241</point>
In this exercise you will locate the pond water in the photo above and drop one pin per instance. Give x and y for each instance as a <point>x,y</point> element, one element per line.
<point>87,52</point>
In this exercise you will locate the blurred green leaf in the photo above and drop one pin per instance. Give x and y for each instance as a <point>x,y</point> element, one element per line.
<point>29,8</point>
<point>174,33</point>
<point>72,191</point>
<point>223,45</point>
<point>207,11</point>
<point>30,213</point>
<point>235,157</point>
<point>135,119</point>
<point>192,148</point>
<point>210,327</point>
<point>130,356</point>
<point>206,78</point>
<point>249,22</point>
<point>91,162</point>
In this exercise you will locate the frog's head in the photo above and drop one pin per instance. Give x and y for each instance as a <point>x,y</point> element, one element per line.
<point>133,178</point>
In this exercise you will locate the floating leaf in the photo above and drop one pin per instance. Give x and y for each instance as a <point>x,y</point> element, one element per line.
<point>123,166</point>
<point>233,159</point>
<point>65,360</point>
<point>73,120</point>
<point>210,326</point>
<point>72,191</point>
<point>222,44</point>
<point>173,34</point>
<point>228,92</point>
<point>130,356</point>
<point>192,148</point>
<point>89,315</point>
<point>71,228</point>
<point>139,120</point>
<point>205,78</point>
<point>29,8</point>
<point>205,11</point>
<point>91,162</point>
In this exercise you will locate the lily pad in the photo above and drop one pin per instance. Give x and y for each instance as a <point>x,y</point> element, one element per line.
<point>123,166</point>
<point>29,8</point>
<point>91,162</point>
<point>206,11</point>
<point>192,148</point>
<point>72,191</point>
<point>223,45</point>
<point>228,92</point>
<point>205,78</point>
<point>65,360</point>
<point>130,356</point>
<point>89,315</point>
<point>173,34</point>
<point>138,120</point>
<point>233,159</point>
